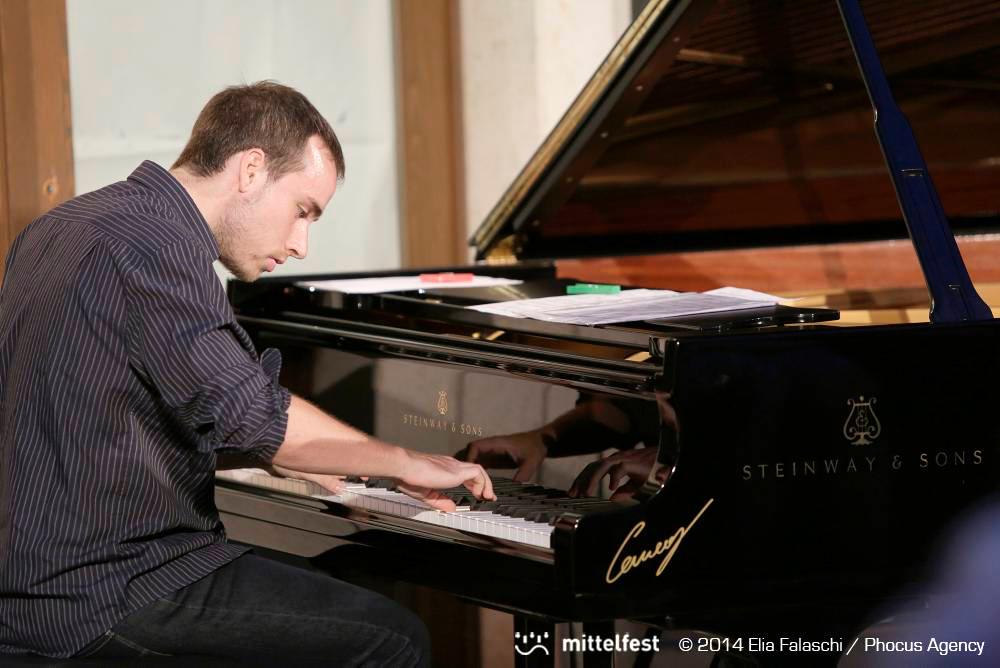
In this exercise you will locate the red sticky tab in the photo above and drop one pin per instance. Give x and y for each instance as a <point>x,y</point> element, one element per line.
<point>445,277</point>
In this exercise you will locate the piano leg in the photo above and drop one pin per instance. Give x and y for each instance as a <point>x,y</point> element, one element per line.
<point>599,659</point>
<point>534,642</point>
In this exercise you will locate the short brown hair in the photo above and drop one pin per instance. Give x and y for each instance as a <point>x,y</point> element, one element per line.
<point>267,115</point>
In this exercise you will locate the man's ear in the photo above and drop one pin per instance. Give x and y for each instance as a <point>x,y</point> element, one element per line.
<point>253,170</point>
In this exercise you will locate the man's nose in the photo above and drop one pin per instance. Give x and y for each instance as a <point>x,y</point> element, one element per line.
<point>298,243</point>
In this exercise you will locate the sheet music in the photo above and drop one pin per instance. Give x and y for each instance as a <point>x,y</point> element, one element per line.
<point>629,305</point>
<point>401,283</point>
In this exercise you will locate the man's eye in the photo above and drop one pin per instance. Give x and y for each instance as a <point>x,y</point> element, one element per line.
<point>302,212</point>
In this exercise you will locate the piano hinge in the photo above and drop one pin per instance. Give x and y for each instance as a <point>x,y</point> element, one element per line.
<point>502,251</point>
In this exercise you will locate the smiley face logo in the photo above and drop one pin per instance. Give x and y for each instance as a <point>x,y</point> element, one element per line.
<point>527,643</point>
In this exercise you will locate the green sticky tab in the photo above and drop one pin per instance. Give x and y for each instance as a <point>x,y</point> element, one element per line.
<point>593,289</point>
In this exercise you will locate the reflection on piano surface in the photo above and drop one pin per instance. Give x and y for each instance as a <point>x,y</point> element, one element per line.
<point>752,473</point>
<point>595,424</point>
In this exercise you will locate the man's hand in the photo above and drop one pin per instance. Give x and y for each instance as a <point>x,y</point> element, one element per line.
<point>320,446</point>
<point>627,469</point>
<point>424,474</point>
<point>332,483</point>
<point>525,450</point>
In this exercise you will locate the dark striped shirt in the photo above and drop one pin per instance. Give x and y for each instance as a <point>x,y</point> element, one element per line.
<point>122,373</point>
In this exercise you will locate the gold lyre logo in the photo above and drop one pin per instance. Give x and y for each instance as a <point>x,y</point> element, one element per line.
<point>440,421</point>
<point>862,427</point>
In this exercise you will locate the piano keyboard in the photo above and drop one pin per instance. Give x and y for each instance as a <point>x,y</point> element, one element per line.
<point>522,513</point>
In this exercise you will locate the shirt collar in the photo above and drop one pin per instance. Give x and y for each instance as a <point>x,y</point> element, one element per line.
<point>154,177</point>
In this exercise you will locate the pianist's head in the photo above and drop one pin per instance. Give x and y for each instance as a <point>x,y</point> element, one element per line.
<point>261,164</point>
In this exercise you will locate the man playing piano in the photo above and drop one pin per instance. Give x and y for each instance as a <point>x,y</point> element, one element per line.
<point>123,374</point>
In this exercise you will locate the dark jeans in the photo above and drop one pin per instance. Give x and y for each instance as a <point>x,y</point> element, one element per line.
<point>255,611</point>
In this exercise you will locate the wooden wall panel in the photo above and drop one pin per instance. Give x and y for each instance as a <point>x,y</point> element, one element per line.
<point>432,226</point>
<point>37,143</point>
<point>4,207</point>
<point>431,184</point>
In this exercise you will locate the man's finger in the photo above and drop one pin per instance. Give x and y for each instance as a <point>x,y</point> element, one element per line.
<point>431,497</point>
<point>480,485</point>
<point>330,483</point>
<point>439,502</point>
<point>490,494</point>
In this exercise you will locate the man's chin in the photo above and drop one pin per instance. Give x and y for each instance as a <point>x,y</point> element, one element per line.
<point>245,274</point>
<point>250,277</point>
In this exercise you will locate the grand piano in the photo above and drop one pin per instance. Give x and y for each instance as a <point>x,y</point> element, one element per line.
<point>787,470</point>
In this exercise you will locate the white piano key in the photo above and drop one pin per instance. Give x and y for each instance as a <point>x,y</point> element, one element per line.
<point>393,503</point>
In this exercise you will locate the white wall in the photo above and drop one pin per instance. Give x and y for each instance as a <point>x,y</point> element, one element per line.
<point>523,63</point>
<point>141,71</point>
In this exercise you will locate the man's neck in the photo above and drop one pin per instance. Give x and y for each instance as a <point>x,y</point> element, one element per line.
<point>210,195</point>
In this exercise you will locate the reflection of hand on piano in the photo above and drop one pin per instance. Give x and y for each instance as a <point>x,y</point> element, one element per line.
<point>524,450</point>
<point>594,424</point>
<point>630,467</point>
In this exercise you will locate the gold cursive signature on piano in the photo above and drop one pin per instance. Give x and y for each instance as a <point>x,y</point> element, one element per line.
<point>667,547</point>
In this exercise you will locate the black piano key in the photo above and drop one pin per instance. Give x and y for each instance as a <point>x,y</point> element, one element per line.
<point>523,500</point>
<point>582,503</point>
<point>484,505</point>
<point>542,494</point>
<point>544,516</point>
<point>595,508</point>
<point>516,510</point>
<point>523,511</point>
<point>518,488</point>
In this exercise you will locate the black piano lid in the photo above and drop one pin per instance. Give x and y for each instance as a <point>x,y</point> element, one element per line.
<point>740,123</point>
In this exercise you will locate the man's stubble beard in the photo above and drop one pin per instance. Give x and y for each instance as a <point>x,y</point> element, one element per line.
<point>233,228</point>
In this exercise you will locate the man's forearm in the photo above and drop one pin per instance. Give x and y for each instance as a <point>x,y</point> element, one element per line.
<point>316,442</point>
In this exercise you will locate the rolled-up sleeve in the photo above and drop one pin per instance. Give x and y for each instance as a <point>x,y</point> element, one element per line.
<point>185,343</point>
